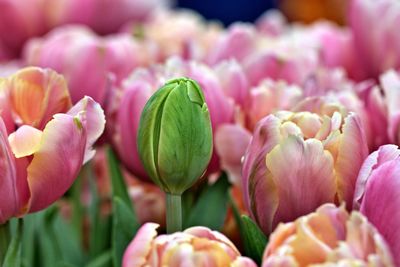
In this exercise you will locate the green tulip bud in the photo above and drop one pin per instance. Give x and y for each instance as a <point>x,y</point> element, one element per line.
<point>175,135</point>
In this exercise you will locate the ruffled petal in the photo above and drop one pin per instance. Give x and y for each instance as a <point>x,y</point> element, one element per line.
<point>304,175</point>
<point>93,120</point>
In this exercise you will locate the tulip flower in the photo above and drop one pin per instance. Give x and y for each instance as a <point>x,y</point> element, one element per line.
<point>109,59</point>
<point>196,246</point>
<point>142,83</point>
<point>175,141</point>
<point>298,161</point>
<point>374,28</point>
<point>48,145</point>
<point>330,236</point>
<point>377,194</point>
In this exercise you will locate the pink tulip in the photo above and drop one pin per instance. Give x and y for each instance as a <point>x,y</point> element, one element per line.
<point>272,23</point>
<point>48,148</point>
<point>270,96</point>
<point>103,16</point>
<point>231,141</point>
<point>291,63</point>
<point>377,194</point>
<point>19,21</point>
<point>374,27</point>
<point>328,237</point>
<point>234,82</point>
<point>87,61</point>
<point>382,105</point>
<point>237,43</point>
<point>138,88</point>
<point>297,161</point>
<point>195,247</point>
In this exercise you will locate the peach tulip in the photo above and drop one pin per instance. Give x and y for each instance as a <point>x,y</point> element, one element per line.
<point>330,236</point>
<point>298,161</point>
<point>47,145</point>
<point>195,247</point>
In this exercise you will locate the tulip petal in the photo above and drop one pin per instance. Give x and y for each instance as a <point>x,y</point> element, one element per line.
<point>351,154</point>
<point>304,175</point>
<point>381,203</point>
<point>57,162</point>
<point>254,172</point>
<point>383,154</point>
<point>37,94</point>
<point>128,118</point>
<point>93,120</point>
<point>8,185</point>
<point>138,250</point>
<point>25,141</point>
<point>231,142</point>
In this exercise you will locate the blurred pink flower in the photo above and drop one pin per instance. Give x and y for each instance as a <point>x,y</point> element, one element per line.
<point>182,33</point>
<point>373,24</point>
<point>328,237</point>
<point>297,161</point>
<point>47,148</point>
<point>21,20</point>
<point>102,16</point>
<point>88,62</point>
<point>196,246</point>
<point>377,194</point>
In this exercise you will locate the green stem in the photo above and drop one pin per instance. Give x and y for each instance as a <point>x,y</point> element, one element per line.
<point>174,213</point>
<point>5,239</point>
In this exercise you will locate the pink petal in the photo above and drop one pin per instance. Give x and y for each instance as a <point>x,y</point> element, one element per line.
<point>9,204</point>
<point>231,142</point>
<point>133,101</point>
<point>351,154</point>
<point>139,248</point>
<point>373,161</point>
<point>381,203</point>
<point>93,121</point>
<point>56,164</point>
<point>254,173</point>
<point>304,175</point>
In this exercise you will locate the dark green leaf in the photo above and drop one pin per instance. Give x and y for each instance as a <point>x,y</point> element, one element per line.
<point>119,188</point>
<point>103,260</point>
<point>125,226</point>
<point>13,255</point>
<point>213,202</point>
<point>254,240</point>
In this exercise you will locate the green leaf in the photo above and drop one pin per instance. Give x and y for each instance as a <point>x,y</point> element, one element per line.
<point>125,226</point>
<point>13,255</point>
<point>103,260</point>
<point>119,188</point>
<point>213,202</point>
<point>100,226</point>
<point>253,238</point>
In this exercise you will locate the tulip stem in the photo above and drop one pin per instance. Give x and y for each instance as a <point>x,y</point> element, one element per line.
<point>5,238</point>
<point>174,213</point>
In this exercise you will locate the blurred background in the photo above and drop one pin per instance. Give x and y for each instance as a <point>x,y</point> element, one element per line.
<point>228,11</point>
